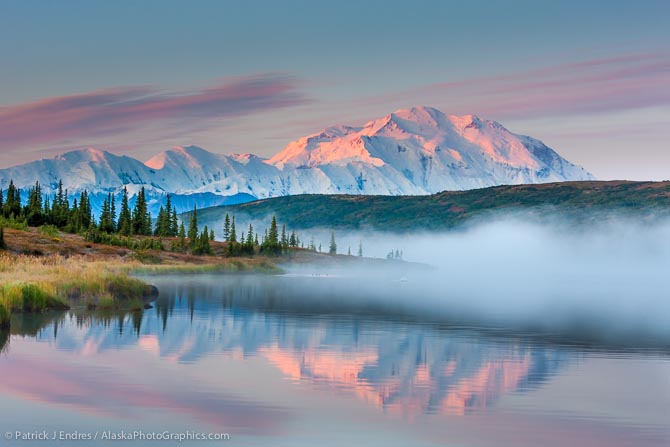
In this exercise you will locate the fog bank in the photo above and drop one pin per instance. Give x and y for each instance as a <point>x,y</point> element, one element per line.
<point>607,281</point>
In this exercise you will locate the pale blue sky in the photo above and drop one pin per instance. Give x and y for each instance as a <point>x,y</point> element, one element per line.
<point>590,78</point>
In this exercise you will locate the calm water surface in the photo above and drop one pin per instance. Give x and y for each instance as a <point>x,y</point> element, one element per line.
<point>249,356</point>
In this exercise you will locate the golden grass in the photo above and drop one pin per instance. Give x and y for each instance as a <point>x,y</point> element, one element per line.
<point>31,283</point>
<point>44,269</point>
<point>34,283</point>
<point>228,265</point>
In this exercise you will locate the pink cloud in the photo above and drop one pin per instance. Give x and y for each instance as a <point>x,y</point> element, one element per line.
<point>87,116</point>
<point>599,85</point>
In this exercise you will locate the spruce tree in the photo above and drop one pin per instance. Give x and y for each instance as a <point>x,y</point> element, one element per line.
<point>249,243</point>
<point>233,233</point>
<point>182,237</point>
<point>60,196</point>
<point>58,211</point>
<point>3,244</point>
<point>204,241</point>
<point>12,205</point>
<point>272,244</point>
<point>174,223</point>
<point>284,238</point>
<point>360,248</point>
<point>103,215</point>
<point>125,219</point>
<point>141,219</point>
<point>273,234</point>
<point>201,245</point>
<point>250,235</point>
<point>226,228</point>
<point>107,216</point>
<point>74,224</point>
<point>159,230</point>
<point>33,210</point>
<point>60,208</point>
<point>332,249</point>
<point>112,214</point>
<point>46,208</point>
<point>167,223</point>
<point>193,228</point>
<point>85,212</point>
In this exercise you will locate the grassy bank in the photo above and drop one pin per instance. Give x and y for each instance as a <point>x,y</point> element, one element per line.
<point>229,265</point>
<point>42,271</point>
<point>39,272</point>
<point>35,284</point>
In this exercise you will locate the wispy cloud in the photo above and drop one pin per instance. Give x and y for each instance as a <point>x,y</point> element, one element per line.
<point>593,86</point>
<point>574,91</point>
<point>84,117</point>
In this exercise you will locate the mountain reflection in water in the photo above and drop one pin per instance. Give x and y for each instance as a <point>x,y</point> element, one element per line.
<point>398,367</point>
<point>266,357</point>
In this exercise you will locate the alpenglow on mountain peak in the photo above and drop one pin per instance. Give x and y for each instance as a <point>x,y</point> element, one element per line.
<point>413,151</point>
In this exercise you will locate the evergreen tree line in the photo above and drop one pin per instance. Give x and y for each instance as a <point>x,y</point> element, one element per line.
<point>198,242</point>
<point>76,216</point>
<point>272,242</point>
<point>40,210</point>
<point>116,229</point>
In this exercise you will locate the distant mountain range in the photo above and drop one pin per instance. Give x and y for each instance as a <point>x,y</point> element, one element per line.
<point>413,151</point>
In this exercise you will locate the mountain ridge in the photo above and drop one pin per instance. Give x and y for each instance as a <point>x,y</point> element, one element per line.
<point>414,151</point>
<point>572,203</point>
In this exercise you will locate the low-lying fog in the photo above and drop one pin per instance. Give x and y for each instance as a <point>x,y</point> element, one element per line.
<point>607,281</point>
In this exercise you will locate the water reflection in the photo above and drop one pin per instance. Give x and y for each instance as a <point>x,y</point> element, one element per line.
<point>275,363</point>
<point>4,340</point>
<point>403,368</point>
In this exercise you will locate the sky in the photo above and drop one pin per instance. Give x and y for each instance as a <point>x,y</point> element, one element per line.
<point>589,78</point>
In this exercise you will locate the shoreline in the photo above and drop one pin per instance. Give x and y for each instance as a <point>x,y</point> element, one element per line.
<point>41,272</point>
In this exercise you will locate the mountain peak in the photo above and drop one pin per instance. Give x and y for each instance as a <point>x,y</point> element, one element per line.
<point>89,154</point>
<point>189,155</point>
<point>419,112</point>
<point>417,150</point>
<point>415,120</point>
<point>191,150</point>
<point>424,143</point>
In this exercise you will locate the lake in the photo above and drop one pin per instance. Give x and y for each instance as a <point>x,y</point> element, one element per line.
<point>285,361</point>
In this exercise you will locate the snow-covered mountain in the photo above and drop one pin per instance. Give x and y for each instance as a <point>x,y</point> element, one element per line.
<point>412,151</point>
<point>422,151</point>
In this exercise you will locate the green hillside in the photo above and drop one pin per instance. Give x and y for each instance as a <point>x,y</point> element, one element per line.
<point>575,200</point>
